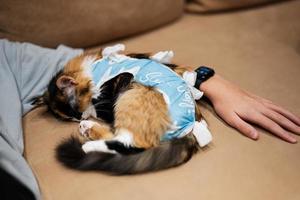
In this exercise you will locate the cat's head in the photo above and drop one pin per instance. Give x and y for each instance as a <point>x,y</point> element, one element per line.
<point>69,93</point>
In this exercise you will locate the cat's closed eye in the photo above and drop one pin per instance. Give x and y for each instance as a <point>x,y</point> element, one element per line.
<point>84,91</point>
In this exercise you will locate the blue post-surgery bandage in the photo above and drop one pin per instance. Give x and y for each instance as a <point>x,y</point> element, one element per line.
<point>175,90</point>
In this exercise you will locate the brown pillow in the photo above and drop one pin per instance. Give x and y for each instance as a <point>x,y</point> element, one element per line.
<point>203,6</point>
<point>80,23</point>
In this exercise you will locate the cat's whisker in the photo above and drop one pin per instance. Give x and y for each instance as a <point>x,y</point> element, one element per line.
<point>102,103</point>
<point>100,110</point>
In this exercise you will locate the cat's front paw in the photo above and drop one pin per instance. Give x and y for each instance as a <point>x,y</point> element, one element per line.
<point>85,127</point>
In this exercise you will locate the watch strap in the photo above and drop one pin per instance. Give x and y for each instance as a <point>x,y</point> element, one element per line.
<point>203,74</point>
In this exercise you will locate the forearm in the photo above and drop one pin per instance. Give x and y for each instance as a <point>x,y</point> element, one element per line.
<point>215,86</point>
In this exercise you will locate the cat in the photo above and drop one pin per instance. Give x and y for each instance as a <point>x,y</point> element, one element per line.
<point>133,118</point>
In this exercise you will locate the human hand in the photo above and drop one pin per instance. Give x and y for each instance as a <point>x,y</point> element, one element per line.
<point>239,108</point>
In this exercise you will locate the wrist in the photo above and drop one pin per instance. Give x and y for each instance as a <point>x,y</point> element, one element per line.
<point>211,85</point>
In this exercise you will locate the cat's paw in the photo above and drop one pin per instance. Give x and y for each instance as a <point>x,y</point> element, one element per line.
<point>99,145</point>
<point>85,127</point>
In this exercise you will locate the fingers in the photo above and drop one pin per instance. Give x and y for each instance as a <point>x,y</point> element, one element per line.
<point>271,126</point>
<point>269,104</point>
<point>236,122</point>
<point>284,112</point>
<point>282,121</point>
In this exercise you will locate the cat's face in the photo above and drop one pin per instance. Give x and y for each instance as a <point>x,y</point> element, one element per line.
<point>69,92</point>
<point>67,98</point>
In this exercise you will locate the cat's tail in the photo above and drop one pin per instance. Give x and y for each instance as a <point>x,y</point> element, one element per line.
<point>168,154</point>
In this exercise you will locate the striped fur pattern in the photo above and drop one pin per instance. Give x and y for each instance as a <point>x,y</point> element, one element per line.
<point>166,155</point>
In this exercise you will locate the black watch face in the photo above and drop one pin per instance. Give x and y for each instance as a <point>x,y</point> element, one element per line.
<point>203,73</point>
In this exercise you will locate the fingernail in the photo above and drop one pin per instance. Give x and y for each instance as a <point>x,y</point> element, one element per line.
<point>293,140</point>
<point>254,135</point>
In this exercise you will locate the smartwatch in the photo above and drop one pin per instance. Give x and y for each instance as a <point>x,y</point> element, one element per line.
<point>203,73</point>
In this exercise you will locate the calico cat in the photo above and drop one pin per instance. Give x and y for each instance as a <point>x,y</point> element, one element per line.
<point>133,119</point>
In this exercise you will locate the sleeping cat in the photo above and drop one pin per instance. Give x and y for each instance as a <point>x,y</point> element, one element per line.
<point>133,120</point>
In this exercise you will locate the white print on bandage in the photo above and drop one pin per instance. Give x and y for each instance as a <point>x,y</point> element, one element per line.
<point>152,77</point>
<point>187,102</point>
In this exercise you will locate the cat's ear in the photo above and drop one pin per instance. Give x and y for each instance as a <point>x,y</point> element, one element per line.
<point>65,82</point>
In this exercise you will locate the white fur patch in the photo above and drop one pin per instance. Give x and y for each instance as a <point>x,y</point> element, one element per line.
<point>89,112</point>
<point>96,91</point>
<point>85,127</point>
<point>98,145</point>
<point>125,137</point>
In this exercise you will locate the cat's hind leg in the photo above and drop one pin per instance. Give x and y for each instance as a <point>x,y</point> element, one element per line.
<point>122,143</point>
<point>97,145</point>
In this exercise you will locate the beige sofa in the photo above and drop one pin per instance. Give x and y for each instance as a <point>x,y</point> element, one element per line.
<point>258,49</point>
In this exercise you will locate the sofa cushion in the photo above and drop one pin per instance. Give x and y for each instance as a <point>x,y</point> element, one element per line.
<point>82,23</point>
<point>217,5</point>
<point>259,50</point>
